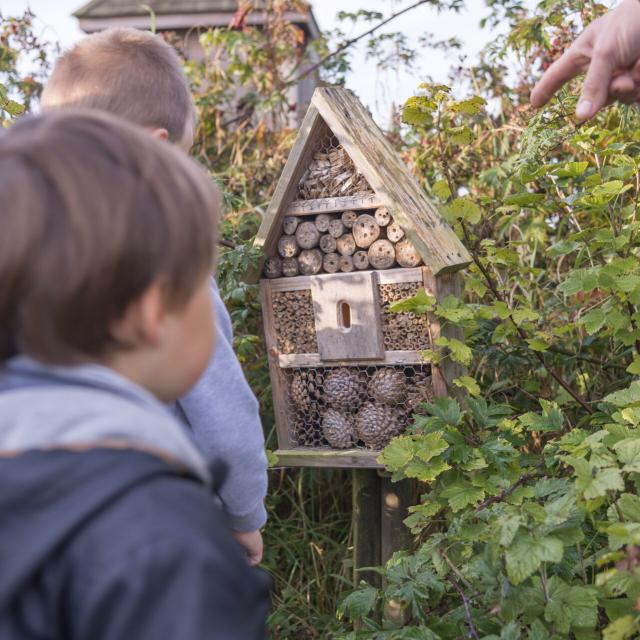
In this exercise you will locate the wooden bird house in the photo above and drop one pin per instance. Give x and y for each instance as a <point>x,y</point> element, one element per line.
<point>349,231</point>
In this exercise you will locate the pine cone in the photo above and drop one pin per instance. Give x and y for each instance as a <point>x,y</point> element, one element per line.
<point>376,424</point>
<point>388,386</point>
<point>419,392</point>
<point>344,389</point>
<point>304,389</point>
<point>338,429</point>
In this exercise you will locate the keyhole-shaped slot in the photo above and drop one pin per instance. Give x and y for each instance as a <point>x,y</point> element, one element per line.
<point>344,315</point>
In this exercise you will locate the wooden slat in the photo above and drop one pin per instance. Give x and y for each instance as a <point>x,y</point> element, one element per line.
<point>385,276</point>
<point>294,360</point>
<point>362,340</point>
<point>366,525</point>
<point>381,165</point>
<point>275,372</point>
<point>309,457</point>
<point>332,205</point>
<point>303,148</point>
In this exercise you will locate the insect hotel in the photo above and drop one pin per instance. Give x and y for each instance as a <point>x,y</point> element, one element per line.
<point>348,233</point>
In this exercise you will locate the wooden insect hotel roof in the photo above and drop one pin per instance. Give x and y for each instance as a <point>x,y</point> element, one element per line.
<point>382,180</point>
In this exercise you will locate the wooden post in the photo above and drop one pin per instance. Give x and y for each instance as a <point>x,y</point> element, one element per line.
<point>396,498</point>
<point>366,525</point>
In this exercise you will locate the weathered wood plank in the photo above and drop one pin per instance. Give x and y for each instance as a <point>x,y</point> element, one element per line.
<point>332,205</point>
<point>277,377</point>
<point>289,361</point>
<point>396,498</point>
<point>313,457</point>
<point>366,525</point>
<point>400,193</point>
<point>347,316</point>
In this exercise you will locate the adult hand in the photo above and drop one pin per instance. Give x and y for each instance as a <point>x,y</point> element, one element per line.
<point>251,542</point>
<point>609,51</point>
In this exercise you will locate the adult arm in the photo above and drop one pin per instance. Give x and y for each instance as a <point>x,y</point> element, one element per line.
<point>609,51</point>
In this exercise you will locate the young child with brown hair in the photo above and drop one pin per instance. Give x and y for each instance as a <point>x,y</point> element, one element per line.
<point>137,76</point>
<point>108,529</point>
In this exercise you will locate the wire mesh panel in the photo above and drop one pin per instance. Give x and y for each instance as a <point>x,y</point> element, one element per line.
<point>358,406</point>
<point>331,172</point>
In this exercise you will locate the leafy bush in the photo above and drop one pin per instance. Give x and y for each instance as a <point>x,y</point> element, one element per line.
<point>529,522</point>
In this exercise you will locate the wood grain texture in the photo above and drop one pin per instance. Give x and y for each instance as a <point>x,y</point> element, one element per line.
<point>335,458</point>
<point>289,361</point>
<point>366,525</point>
<point>362,340</point>
<point>400,193</point>
<point>277,377</point>
<point>332,205</point>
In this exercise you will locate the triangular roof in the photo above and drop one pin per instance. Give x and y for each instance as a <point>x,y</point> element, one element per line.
<point>200,13</point>
<point>375,158</point>
<point>113,8</point>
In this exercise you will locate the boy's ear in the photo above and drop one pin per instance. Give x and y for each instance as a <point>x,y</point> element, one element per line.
<point>160,133</point>
<point>142,323</point>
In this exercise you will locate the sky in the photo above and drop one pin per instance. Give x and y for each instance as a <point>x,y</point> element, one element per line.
<point>379,91</point>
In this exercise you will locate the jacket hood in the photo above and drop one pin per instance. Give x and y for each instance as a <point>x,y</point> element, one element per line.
<point>79,407</point>
<point>49,495</point>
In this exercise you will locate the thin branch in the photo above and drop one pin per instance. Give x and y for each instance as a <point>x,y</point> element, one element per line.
<point>353,41</point>
<point>505,493</point>
<point>473,632</point>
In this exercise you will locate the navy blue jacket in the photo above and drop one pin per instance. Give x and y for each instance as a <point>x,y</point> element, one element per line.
<point>111,544</point>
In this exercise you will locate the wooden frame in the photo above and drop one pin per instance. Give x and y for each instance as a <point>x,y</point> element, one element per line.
<point>442,374</point>
<point>338,112</point>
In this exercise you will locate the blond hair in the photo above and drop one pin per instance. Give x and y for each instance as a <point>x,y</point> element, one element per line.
<point>130,73</point>
<point>97,211</point>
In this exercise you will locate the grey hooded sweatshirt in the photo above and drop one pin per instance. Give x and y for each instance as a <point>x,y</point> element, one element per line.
<point>223,415</point>
<point>50,407</point>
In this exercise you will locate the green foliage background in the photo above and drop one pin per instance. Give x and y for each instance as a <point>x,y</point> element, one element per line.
<point>529,520</point>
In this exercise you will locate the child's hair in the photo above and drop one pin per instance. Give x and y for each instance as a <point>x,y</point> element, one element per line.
<point>94,211</point>
<point>130,73</point>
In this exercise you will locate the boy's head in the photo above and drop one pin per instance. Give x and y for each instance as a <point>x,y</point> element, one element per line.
<point>106,248</point>
<point>130,73</point>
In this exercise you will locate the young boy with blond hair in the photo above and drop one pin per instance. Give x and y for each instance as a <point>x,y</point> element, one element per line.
<point>137,76</point>
<point>108,528</point>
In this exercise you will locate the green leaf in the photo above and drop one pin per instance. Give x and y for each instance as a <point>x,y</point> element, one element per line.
<point>458,350</point>
<point>398,453</point>
<point>524,199</point>
<point>526,554</point>
<point>460,135</point>
<point>634,367</point>
<point>628,452</point>
<point>447,409</point>
<point>359,603</point>
<point>441,189</point>
<point>625,397</point>
<point>452,309</point>
<point>420,304</point>
<point>538,631</point>
<point>629,506</point>
<point>418,111</point>
<point>463,208</point>
<point>571,169</point>
<point>461,495</point>
<point>621,629</point>
<point>471,106</point>
<point>593,482</point>
<point>525,315</point>
<point>551,419</point>
<point>570,606</point>
<point>538,344</point>
<point>594,320</point>
<point>430,445</point>
<point>468,383</point>
<point>272,458</point>
<point>426,471</point>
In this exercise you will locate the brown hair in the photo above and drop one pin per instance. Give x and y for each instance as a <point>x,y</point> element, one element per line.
<point>94,211</point>
<point>133,74</point>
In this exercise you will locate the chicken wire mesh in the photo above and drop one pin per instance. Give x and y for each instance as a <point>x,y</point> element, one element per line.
<point>354,407</point>
<point>331,172</point>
